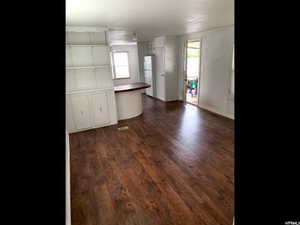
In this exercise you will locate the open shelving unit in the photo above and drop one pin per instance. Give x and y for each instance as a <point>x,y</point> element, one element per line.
<point>90,97</point>
<point>87,62</point>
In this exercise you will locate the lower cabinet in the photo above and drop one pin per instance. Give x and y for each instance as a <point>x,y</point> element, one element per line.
<point>80,110</point>
<point>90,110</point>
<point>100,108</point>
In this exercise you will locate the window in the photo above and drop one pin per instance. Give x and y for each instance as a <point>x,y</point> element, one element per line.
<point>120,65</point>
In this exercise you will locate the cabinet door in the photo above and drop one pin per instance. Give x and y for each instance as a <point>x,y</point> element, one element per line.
<point>69,115</point>
<point>78,37</point>
<point>100,108</point>
<point>103,78</point>
<point>80,107</point>
<point>100,55</point>
<point>68,57</point>
<point>71,80</point>
<point>81,55</point>
<point>85,79</point>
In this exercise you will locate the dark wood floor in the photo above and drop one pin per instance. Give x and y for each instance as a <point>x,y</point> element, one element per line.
<point>174,165</point>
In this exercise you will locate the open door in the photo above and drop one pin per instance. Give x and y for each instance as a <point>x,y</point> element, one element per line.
<point>192,71</point>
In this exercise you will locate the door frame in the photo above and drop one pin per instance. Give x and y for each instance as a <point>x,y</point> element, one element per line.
<point>185,68</point>
<point>159,75</point>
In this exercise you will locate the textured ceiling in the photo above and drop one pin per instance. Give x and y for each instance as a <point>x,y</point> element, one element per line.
<point>151,18</point>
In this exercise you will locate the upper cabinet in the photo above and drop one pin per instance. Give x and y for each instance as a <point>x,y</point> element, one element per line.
<point>85,38</point>
<point>81,55</point>
<point>100,55</point>
<point>85,79</point>
<point>87,62</point>
<point>87,55</point>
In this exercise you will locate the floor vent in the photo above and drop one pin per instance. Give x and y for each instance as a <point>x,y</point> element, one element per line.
<point>123,128</point>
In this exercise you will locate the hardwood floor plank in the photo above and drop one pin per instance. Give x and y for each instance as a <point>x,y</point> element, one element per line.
<point>178,181</point>
<point>174,165</point>
<point>145,191</point>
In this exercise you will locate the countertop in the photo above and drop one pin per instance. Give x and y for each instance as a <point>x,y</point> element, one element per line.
<point>131,87</point>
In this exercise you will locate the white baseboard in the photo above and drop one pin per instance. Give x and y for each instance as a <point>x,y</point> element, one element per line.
<point>216,112</point>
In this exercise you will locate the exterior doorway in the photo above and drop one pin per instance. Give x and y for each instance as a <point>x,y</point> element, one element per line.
<point>192,71</point>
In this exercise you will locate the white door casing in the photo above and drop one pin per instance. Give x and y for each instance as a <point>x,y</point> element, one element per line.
<point>160,73</point>
<point>148,80</point>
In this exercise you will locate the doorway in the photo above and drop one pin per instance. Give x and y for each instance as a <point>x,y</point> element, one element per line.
<point>192,71</point>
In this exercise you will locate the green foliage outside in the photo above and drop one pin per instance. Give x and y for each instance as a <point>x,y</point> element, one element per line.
<point>190,55</point>
<point>193,53</point>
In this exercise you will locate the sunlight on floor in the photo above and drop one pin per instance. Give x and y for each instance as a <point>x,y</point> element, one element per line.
<point>191,98</point>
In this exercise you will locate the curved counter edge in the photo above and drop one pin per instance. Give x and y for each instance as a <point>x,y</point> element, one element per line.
<point>131,87</point>
<point>129,100</point>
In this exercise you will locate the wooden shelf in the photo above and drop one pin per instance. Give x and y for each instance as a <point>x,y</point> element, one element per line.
<point>86,45</point>
<point>86,67</point>
<point>78,91</point>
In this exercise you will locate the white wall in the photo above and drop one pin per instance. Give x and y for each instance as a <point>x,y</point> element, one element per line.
<point>216,62</point>
<point>68,198</point>
<point>133,63</point>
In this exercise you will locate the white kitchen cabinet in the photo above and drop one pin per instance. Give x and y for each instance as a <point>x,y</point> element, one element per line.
<point>89,110</point>
<point>78,37</point>
<point>100,54</point>
<point>68,57</point>
<point>90,97</point>
<point>103,78</point>
<point>85,79</point>
<point>83,38</point>
<point>89,78</point>
<point>100,108</point>
<point>71,83</point>
<point>165,50</point>
<point>81,55</point>
<point>87,55</point>
<point>80,111</point>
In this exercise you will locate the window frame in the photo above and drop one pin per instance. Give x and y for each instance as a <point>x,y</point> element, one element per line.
<point>114,77</point>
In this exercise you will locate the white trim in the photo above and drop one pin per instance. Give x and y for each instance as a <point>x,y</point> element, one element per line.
<point>201,67</point>
<point>86,67</point>
<point>122,43</point>
<point>85,45</point>
<point>88,90</point>
<point>232,75</point>
<point>85,29</point>
<point>214,111</point>
<point>68,189</point>
<point>110,123</point>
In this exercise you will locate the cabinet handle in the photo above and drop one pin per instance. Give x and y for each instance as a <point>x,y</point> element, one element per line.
<point>81,112</point>
<point>100,109</point>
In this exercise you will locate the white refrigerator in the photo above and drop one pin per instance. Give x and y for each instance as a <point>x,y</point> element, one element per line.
<point>149,74</point>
